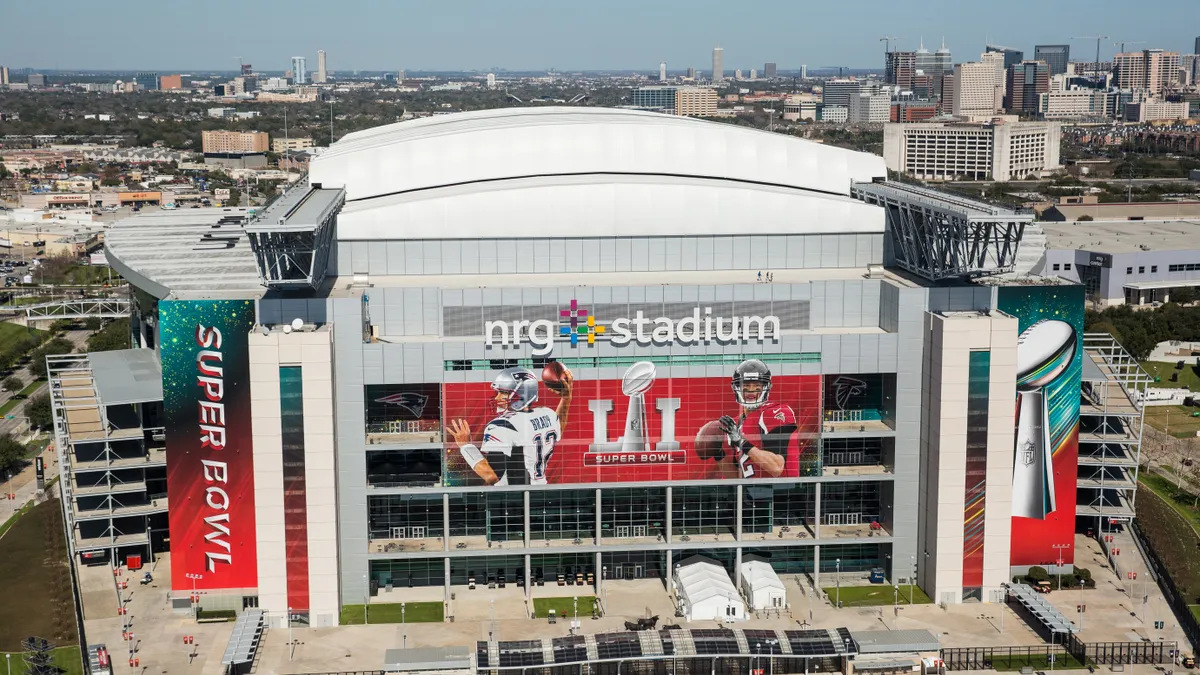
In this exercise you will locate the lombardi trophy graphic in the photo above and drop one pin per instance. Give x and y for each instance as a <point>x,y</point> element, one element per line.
<point>637,380</point>
<point>1044,352</point>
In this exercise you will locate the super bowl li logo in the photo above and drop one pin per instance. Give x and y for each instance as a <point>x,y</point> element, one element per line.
<point>633,447</point>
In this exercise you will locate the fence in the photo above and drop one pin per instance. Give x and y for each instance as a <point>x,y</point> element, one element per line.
<point>1176,600</point>
<point>986,658</point>
<point>1072,653</point>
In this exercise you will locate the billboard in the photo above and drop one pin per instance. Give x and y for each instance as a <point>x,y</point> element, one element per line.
<point>535,428</point>
<point>210,463</point>
<point>1046,451</point>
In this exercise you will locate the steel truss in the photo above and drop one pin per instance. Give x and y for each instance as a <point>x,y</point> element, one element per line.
<point>940,236</point>
<point>100,308</point>
<point>292,236</point>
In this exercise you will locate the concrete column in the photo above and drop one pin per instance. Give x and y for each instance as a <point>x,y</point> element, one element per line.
<point>668,535</point>
<point>817,512</point>
<point>446,524</point>
<point>738,514</point>
<point>598,518</point>
<point>597,575</point>
<point>446,586</point>
<point>817,567</point>
<point>737,568</point>
<point>528,585</point>
<point>525,497</point>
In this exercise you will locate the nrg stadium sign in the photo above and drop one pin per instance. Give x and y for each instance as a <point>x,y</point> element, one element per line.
<point>576,325</point>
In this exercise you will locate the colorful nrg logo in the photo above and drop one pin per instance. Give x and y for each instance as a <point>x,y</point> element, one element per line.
<point>579,325</point>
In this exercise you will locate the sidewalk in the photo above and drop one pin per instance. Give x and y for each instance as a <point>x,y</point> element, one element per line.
<point>24,484</point>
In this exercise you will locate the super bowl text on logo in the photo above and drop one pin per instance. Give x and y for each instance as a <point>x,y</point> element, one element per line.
<point>700,326</point>
<point>210,379</point>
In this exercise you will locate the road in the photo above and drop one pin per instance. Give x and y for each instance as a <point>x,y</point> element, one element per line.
<point>16,426</point>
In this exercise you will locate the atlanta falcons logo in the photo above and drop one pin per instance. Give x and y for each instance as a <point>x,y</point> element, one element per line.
<point>845,388</point>
<point>408,400</point>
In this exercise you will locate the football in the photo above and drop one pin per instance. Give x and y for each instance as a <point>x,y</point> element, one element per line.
<point>1044,351</point>
<point>638,378</point>
<point>710,441</point>
<point>553,375</point>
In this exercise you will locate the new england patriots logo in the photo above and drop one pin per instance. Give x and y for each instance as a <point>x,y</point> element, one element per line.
<point>846,388</point>
<point>411,401</point>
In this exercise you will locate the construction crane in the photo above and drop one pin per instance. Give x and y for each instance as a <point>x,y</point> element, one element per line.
<point>1097,38</point>
<point>1128,42</point>
<point>887,41</point>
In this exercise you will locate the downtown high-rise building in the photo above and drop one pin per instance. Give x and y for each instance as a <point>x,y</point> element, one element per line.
<point>1196,47</point>
<point>147,81</point>
<point>1011,55</point>
<point>4,76</point>
<point>975,90</point>
<point>718,64</point>
<point>769,69</point>
<point>803,71</point>
<point>691,72</point>
<point>1151,70</point>
<point>299,70</point>
<point>901,67</point>
<point>662,71</point>
<point>1056,57</point>
<point>1025,84</point>
<point>322,74</point>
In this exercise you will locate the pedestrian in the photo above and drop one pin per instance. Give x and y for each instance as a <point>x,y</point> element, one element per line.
<point>760,276</point>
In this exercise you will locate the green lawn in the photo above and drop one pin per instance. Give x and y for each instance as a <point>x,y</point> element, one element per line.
<point>35,580</point>
<point>30,388</point>
<point>1039,662</point>
<point>1181,501</point>
<point>414,612</point>
<point>563,606</point>
<point>11,333</point>
<point>1169,525</point>
<point>1175,419</point>
<point>68,659</point>
<point>876,594</point>
<point>1188,377</point>
<point>1195,610</point>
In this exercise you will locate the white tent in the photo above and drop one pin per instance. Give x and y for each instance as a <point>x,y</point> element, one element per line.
<point>706,593</point>
<point>761,586</point>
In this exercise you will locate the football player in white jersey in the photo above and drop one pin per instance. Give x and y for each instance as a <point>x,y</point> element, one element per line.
<point>518,444</point>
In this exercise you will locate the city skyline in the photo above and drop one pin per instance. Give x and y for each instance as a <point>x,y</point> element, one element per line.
<point>616,36</point>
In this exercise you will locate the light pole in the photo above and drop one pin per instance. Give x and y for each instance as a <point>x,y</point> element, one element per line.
<point>838,580</point>
<point>771,657</point>
<point>896,606</point>
<point>492,626</point>
<point>366,596</point>
<point>1058,572</point>
<point>195,599</point>
<point>912,579</point>
<point>291,642</point>
<point>403,629</point>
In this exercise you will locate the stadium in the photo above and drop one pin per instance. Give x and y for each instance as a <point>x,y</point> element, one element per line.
<point>548,346</point>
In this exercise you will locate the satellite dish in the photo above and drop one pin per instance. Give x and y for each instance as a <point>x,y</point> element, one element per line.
<point>297,323</point>
<point>287,329</point>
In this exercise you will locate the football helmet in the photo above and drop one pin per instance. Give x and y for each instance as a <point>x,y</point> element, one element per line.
<point>751,370</point>
<point>520,384</point>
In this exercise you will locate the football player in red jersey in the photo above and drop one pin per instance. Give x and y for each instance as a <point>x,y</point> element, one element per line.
<point>764,437</point>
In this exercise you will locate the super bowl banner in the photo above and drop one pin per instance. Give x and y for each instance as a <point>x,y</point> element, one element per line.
<point>1046,451</point>
<point>210,463</point>
<point>550,427</point>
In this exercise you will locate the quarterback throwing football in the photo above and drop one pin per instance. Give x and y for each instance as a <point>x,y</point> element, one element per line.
<point>519,442</point>
<point>763,437</point>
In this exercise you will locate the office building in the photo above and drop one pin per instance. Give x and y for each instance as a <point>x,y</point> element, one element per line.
<point>233,144</point>
<point>1196,46</point>
<point>718,64</point>
<point>662,71</point>
<point>491,80</point>
<point>696,102</point>
<point>654,98</point>
<point>170,82</point>
<point>1011,56</point>
<point>1056,57</point>
<point>965,151</point>
<point>913,111</point>
<point>869,108</point>
<point>976,92</point>
<point>400,76</point>
<point>1189,69</point>
<point>356,367</point>
<point>281,144</point>
<point>1150,70</point>
<point>837,92</point>
<point>322,73</point>
<point>900,69</point>
<point>1151,110</point>
<point>4,81</point>
<point>691,73</point>
<point>147,81</point>
<point>946,106</point>
<point>1077,103</point>
<point>36,80</point>
<point>803,71</point>
<point>942,59</point>
<point>753,74</point>
<point>1026,82</point>
<point>737,74</point>
<point>299,70</point>
<point>769,70</point>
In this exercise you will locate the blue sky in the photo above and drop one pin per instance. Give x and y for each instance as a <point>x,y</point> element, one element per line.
<point>561,34</point>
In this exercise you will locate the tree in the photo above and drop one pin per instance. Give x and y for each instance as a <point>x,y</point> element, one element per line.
<point>114,336</point>
<point>39,412</point>
<point>52,348</point>
<point>235,197</point>
<point>93,323</point>
<point>13,383</point>
<point>1185,295</point>
<point>1084,218</point>
<point>5,174</point>
<point>12,454</point>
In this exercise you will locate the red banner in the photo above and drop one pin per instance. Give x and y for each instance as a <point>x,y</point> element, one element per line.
<point>210,462</point>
